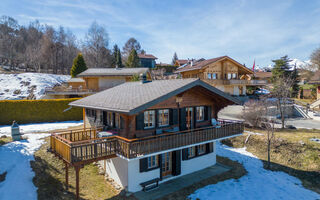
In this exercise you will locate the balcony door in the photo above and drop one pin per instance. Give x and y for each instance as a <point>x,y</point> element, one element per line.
<point>189,117</point>
<point>166,164</point>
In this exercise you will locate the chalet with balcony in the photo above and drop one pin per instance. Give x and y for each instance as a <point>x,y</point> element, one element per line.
<point>223,73</point>
<point>145,133</point>
<point>147,60</point>
<point>94,80</point>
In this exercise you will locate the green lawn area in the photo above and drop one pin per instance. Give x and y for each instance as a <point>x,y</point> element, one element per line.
<point>291,152</point>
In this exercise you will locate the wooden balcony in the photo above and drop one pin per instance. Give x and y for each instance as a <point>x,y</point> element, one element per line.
<point>81,147</point>
<point>235,82</point>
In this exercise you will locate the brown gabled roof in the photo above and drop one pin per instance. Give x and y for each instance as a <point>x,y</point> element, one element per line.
<point>181,62</point>
<point>150,56</point>
<point>315,79</point>
<point>202,63</point>
<point>263,74</point>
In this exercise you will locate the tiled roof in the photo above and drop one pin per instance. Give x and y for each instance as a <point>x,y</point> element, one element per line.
<point>75,80</point>
<point>182,62</point>
<point>134,97</point>
<point>112,71</point>
<point>147,56</point>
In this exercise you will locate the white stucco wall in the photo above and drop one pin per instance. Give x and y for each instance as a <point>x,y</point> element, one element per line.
<point>220,87</point>
<point>236,90</point>
<point>117,169</point>
<point>244,90</point>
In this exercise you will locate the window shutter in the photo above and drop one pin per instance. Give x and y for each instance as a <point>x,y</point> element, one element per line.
<point>170,116</point>
<point>182,119</point>
<point>208,112</point>
<point>196,150</point>
<point>160,165</point>
<point>175,117</point>
<point>194,125</point>
<point>176,158</point>
<point>121,123</point>
<point>209,147</point>
<point>140,121</point>
<point>143,164</point>
<point>185,154</point>
<point>156,118</point>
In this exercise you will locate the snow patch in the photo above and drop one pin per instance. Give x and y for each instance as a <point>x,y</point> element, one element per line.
<point>257,184</point>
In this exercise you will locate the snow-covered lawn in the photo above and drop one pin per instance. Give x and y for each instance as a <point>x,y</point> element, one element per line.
<point>9,83</point>
<point>257,184</point>
<point>15,159</point>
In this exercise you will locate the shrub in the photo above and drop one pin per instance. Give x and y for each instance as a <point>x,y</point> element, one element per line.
<point>31,111</point>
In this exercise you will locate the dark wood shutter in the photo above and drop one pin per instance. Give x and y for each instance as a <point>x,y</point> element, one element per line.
<point>194,125</point>
<point>160,165</point>
<point>140,121</point>
<point>113,120</point>
<point>206,117</point>
<point>175,117</point>
<point>121,122</point>
<point>170,116</point>
<point>209,147</point>
<point>143,164</point>
<point>185,154</point>
<point>208,112</point>
<point>182,119</point>
<point>156,116</point>
<point>176,162</point>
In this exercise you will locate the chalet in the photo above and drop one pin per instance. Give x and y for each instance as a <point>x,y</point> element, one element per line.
<point>94,80</point>
<point>147,60</point>
<point>223,73</point>
<point>152,131</point>
<point>315,80</point>
<point>179,63</point>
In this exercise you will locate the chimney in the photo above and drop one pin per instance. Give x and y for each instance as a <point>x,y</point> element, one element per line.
<point>143,78</point>
<point>191,63</point>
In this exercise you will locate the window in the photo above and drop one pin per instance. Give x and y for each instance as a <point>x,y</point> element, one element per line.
<point>149,119</point>
<point>91,113</point>
<point>229,76</point>
<point>163,117</point>
<point>152,162</point>
<point>110,119</point>
<point>209,76</point>
<point>201,149</point>
<point>234,75</point>
<point>191,152</point>
<point>214,76</point>
<point>117,121</point>
<point>200,113</point>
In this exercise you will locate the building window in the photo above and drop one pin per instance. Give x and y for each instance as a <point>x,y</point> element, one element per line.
<point>229,76</point>
<point>91,113</point>
<point>152,162</point>
<point>234,75</point>
<point>214,76</point>
<point>200,113</point>
<point>191,152</point>
<point>201,149</point>
<point>163,117</point>
<point>209,76</point>
<point>149,119</point>
<point>117,120</point>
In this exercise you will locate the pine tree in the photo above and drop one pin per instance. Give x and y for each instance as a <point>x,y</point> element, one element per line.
<point>295,86</point>
<point>133,59</point>
<point>78,66</point>
<point>174,59</point>
<point>280,69</point>
<point>116,57</point>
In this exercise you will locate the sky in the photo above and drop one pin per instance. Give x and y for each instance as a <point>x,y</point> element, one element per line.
<point>245,30</point>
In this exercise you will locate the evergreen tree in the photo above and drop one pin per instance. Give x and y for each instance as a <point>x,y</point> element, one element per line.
<point>78,66</point>
<point>295,78</point>
<point>280,69</point>
<point>133,59</point>
<point>174,59</point>
<point>116,56</point>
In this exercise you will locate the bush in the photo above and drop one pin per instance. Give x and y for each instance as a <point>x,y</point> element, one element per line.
<point>31,111</point>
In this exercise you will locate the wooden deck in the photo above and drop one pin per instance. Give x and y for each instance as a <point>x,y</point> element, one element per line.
<point>82,146</point>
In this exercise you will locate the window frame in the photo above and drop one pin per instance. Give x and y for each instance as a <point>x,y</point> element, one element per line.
<point>193,150</point>
<point>202,149</point>
<point>153,161</point>
<point>161,114</point>
<point>234,75</point>
<point>153,122</point>
<point>215,77</point>
<point>209,75</point>
<point>229,76</point>
<point>198,108</point>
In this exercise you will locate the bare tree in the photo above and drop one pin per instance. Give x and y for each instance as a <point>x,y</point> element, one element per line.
<point>315,59</point>
<point>132,43</point>
<point>253,112</point>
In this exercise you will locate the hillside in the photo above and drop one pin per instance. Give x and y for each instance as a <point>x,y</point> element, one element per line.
<point>20,86</point>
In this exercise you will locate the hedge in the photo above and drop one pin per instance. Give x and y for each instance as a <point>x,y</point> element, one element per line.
<point>32,111</point>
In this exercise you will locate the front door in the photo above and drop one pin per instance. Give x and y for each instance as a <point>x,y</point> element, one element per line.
<point>189,118</point>
<point>166,164</point>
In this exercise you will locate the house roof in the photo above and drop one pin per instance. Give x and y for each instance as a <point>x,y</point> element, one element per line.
<point>75,80</point>
<point>199,64</point>
<point>150,56</point>
<point>182,62</point>
<point>315,79</point>
<point>134,97</point>
<point>112,72</point>
<point>263,74</point>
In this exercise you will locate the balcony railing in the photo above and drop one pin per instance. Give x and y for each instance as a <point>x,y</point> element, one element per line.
<point>235,82</point>
<point>79,147</point>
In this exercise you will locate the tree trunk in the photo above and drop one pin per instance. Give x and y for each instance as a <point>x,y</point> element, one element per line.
<point>268,166</point>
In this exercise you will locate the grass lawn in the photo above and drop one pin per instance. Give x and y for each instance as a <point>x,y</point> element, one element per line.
<point>291,152</point>
<point>50,179</point>
<point>5,140</point>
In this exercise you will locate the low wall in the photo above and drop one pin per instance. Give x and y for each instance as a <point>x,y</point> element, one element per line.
<point>32,111</point>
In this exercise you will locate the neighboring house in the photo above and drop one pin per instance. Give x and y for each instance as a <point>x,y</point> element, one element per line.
<point>94,80</point>
<point>315,80</point>
<point>179,63</point>
<point>265,76</point>
<point>147,60</point>
<point>157,130</point>
<point>223,73</point>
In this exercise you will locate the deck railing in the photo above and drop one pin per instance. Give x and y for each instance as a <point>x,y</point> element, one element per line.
<point>86,150</point>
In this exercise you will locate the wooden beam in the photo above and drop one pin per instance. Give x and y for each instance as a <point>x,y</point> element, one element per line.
<point>67,175</point>
<point>84,118</point>
<point>77,169</point>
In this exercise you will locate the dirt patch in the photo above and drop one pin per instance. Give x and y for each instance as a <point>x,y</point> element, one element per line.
<point>3,177</point>
<point>291,152</point>
<point>4,140</point>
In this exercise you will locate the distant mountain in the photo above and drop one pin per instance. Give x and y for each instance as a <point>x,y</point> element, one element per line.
<point>300,64</point>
